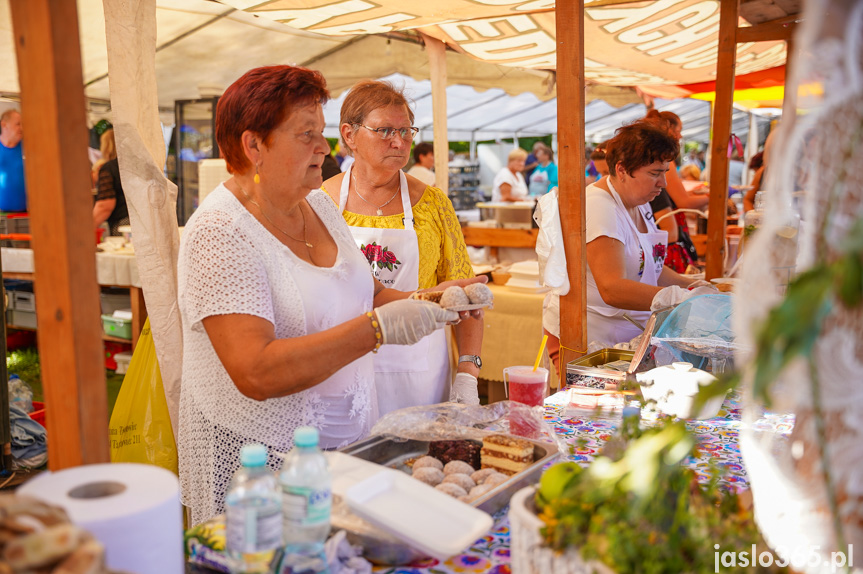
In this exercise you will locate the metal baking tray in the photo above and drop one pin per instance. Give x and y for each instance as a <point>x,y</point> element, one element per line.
<point>391,452</point>
<point>586,372</point>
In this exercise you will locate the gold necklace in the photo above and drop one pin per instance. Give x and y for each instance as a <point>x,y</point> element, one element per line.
<point>380,208</point>
<point>267,217</point>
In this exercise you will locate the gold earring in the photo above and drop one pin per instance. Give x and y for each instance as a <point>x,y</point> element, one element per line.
<point>257,175</point>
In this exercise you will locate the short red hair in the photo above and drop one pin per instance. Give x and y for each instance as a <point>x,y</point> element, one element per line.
<point>259,102</point>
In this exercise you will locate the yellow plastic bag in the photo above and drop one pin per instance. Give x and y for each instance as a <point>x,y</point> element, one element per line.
<point>140,426</point>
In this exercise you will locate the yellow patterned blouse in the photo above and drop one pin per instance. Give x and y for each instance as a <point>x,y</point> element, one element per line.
<point>443,255</point>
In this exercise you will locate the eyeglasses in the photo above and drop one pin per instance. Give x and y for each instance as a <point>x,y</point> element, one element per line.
<point>389,133</point>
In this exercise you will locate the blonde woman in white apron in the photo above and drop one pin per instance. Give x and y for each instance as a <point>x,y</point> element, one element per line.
<point>625,249</point>
<point>410,235</point>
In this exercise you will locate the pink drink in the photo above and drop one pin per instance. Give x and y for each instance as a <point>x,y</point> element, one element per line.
<point>528,387</point>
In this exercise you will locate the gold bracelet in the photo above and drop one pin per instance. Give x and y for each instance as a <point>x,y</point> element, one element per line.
<point>379,337</point>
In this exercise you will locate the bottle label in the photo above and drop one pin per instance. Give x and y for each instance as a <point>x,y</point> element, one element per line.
<point>304,506</point>
<point>252,530</point>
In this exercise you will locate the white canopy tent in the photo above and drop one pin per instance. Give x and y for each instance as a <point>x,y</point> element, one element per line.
<point>474,115</point>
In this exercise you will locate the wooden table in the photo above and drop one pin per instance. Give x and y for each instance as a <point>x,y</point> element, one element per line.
<point>495,238</point>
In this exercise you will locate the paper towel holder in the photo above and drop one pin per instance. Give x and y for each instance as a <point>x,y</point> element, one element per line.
<point>101,489</point>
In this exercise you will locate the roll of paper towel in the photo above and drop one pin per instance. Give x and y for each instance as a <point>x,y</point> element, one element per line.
<point>133,509</point>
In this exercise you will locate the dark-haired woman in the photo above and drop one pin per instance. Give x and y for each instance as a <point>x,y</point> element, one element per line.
<point>280,313</point>
<point>625,249</point>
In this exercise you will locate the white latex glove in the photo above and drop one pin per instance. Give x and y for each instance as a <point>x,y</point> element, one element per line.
<point>674,295</point>
<point>701,283</point>
<point>406,321</point>
<point>464,390</point>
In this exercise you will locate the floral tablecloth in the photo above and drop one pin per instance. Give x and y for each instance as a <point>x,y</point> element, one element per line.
<point>586,432</point>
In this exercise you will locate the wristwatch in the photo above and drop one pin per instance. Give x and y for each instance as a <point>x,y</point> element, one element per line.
<point>471,359</point>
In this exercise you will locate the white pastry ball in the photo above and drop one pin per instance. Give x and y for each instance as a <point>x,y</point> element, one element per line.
<point>495,479</point>
<point>429,475</point>
<point>454,297</point>
<point>479,490</point>
<point>427,461</point>
<point>480,475</point>
<point>458,467</point>
<point>479,294</point>
<point>462,480</point>
<point>453,490</point>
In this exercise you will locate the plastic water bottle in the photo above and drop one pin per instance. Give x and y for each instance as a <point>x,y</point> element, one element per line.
<point>306,504</point>
<point>253,514</point>
<point>20,394</point>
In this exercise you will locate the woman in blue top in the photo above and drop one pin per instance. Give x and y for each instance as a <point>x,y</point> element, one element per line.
<point>544,177</point>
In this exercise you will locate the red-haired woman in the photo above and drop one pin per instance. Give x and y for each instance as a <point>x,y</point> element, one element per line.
<point>681,251</point>
<point>280,313</point>
<point>416,223</point>
<point>625,249</point>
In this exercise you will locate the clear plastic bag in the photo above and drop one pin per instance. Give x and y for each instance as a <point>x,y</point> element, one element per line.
<point>452,421</point>
<point>698,331</point>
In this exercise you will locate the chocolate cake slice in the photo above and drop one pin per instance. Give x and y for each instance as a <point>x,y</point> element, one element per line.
<point>506,454</point>
<point>463,450</point>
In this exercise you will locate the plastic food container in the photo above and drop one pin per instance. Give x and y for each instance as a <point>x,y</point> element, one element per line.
<point>673,388</point>
<point>116,327</point>
<point>38,413</point>
<point>427,519</point>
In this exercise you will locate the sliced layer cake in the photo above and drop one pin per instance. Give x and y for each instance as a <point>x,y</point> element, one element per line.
<point>506,454</point>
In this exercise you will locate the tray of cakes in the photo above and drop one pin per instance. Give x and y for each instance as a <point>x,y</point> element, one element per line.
<point>483,474</point>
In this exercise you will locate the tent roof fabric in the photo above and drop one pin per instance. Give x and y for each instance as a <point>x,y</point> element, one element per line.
<point>641,43</point>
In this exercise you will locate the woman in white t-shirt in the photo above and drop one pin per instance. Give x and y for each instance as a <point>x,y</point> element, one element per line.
<point>625,248</point>
<point>509,184</point>
<point>279,309</point>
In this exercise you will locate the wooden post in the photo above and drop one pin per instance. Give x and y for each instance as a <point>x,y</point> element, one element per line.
<point>722,110</point>
<point>570,137</point>
<point>61,223</point>
<point>437,66</point>
<point>789,101</point>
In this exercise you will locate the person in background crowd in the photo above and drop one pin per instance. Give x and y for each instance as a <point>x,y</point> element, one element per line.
<point>690,172</point>
<point>13,191</point>
<point>531,160</point>
<point>412,239</point>
<point>281,316</point>
<point>759,179</point>
<point>110,203</point>
<point>424,162</point>
<point>107,152</point>
<point>330,167</point>
<point>599,168</point>
<point>544,176</point>
<point>681,251</point>
<point>509,184</point>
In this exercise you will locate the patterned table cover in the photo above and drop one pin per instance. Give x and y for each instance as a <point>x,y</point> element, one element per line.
<point>587,431</point>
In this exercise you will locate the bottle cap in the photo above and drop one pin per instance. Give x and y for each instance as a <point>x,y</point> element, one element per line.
<point>253,455</point>
<point>306,436</point>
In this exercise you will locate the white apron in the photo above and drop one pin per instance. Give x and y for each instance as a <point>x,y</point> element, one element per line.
<point>605,323</point>
<point>405,375</point>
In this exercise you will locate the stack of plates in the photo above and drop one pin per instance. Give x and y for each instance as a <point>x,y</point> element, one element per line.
<point>525,277</point>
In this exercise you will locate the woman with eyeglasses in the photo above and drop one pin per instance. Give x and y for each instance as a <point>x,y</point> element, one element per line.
<point>411,237</point>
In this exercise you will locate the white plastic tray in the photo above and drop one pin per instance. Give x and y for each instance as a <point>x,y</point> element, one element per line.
<point>416,513</point>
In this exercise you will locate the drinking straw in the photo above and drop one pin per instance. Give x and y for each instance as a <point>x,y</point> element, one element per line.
<point>539,355</point>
